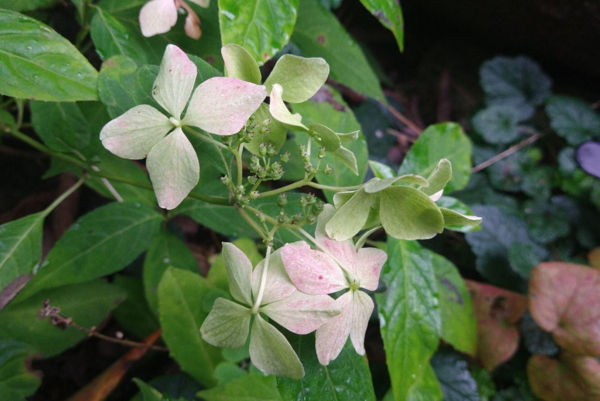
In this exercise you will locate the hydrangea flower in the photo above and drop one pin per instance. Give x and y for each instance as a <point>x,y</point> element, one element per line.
<point>229,323</point>
<point>340,267</point>
<point>159,16</point>
<point>218,105</point>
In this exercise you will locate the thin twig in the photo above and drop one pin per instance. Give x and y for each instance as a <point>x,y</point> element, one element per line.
<point>63,322</point>
<point>509,151</point>
<point>404,120</point>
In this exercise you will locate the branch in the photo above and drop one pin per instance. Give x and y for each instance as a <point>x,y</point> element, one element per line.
<point>509,151</point>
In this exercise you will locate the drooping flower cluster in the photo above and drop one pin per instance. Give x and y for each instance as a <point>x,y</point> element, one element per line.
<point>218,105</point>
<point>159,16</point>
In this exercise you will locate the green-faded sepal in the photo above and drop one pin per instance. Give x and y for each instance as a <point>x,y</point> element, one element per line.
<point>227,325</point>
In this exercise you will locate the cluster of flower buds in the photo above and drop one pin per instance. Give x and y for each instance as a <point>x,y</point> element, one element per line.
<point>310,207</point>
<point>267,170</point>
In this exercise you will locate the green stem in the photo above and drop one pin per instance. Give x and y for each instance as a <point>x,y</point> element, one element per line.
<point>61,198</point>
<point>35,144</point>
<point>205,138</point>
<point>289,187</point>
<point>252,223</point>
<point>273,221</point>
<point>263,281</point>
<point>332,188</point>
<point>239,162</point>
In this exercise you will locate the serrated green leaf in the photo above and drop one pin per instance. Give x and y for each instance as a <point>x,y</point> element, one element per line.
<point>514,81</point>
<point>573,119</point>
<point>181,296</point>
<point>299,77</point>
<point>437,142</point>
<point>62,126</point>
<point>261,27</point>
<point>345,378</point>
<point>21,247</point>
<point>254,387</point>
<point>240,64</point>
<point>87,303</point>
<point>319,34</point>
<point>498,123</point>
<point>459,327</point>
<point>17,380</point>
<point>112,38</point>
<point>389,14</point>
<point>166,250</point>
<point>99,243</point>
<point>38,63</point>
<point>408,313</point>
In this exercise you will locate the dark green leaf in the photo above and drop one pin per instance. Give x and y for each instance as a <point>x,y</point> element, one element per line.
<point>375,121</point>
<point>537,340</point>
<point>181,298</point>
<point>409,313</point>
<point>573,119</point>
<point>453,373</point>
<point>546,221</point>
<point>319,34</point>
<point>254,387</point>
<point>174,385</point>
<point>389,14</point>
<point>440,141</point>
<point>485,384</point>
<point>459,327</point>
<point>498,123</point>
<point>62,126</point>
<point>148,392</point>
<point>112,38</point>
<point>26,5</point>
<point>38,63</point>
<point>87,303</point>
<point>17,380</point>
<point>345,378</point>
<point>166,250</point>
<point>537,183</point>
<point>134,314</point>
<point>518,81</point>
<point>99,243</point>
<point>20,247</point>
<point>523,257</point>
<point>262,27</point>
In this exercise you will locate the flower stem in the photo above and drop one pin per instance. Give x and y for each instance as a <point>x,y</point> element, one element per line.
<point>62,197</point>
<point>263,281</point>
<point>240,165</point>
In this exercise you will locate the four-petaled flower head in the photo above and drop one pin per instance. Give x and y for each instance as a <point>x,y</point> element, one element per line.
<point>218,105</point>
<point>159,16</point>
<point>228,324</point>
<point>339,267</point>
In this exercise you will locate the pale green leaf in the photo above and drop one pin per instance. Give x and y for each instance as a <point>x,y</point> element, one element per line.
<point>440,141</point>
<point>427,387</point>
<point>227,324</point>
<point>262,27</point>
<point>271,352</point>
<point>407,213</point>
<point>174,169</point>
<point>347,158</point>
<point>38,63</point>
<point>453,218</point>
<point>438,178</point>
<point>281,113</point>
<point>181,297</point>
<point>240,64</point>
<point>376,185</point>
<point>300,77</point>
<point>351,217</point>
<point>408,314</point>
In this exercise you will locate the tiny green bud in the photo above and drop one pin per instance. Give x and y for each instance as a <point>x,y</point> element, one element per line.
<point>285,157</point>
<point>309,168</point>
<point>240,189</point>
<point>327,170</point>
<point>310,199</point>
<point>303,202</point>
<point>261,173</point>
<point>262,149</point>
<point>282,218</point>
<point>318,207</point>
<point>271,150</point>
<point>282,200</point>
<point>254,195</point>
<point>311,219</point>
<point>322,153</point>
<point>252,179</point>
<point>261,217</point>
<point>225,180</point>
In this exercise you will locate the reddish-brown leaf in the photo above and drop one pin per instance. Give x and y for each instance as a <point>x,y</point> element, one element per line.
<point>497,311</point>
<point>564,300</point>
<point>572,378</point>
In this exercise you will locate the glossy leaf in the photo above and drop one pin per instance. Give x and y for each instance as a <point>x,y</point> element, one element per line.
<point>181,297</point>
<point>570,377</point>
<point>497,311</point>
<point>62,126</point>
<point>437,142</point>
<point>166,250</point>
<point>319,34</point>
<point>389,14</point>
<point>174,169</point>
<point>99,243</point>
<point>271,352</point>
<point>112,38</point>
<point>514,81</point>
<point>345,378</point>
<point>21,248</point>
<point>459,327</point>
<point>17,380</point>
<point>240,64</point>
<point>560,299</point>
<point>453,373</point>
<point>409,317</point>
<point>38,63</point>
<point>253,387</point>
<point>87,303</point>
<point>572,119</point>
<point>261,27</point>
<point>299,77</point>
